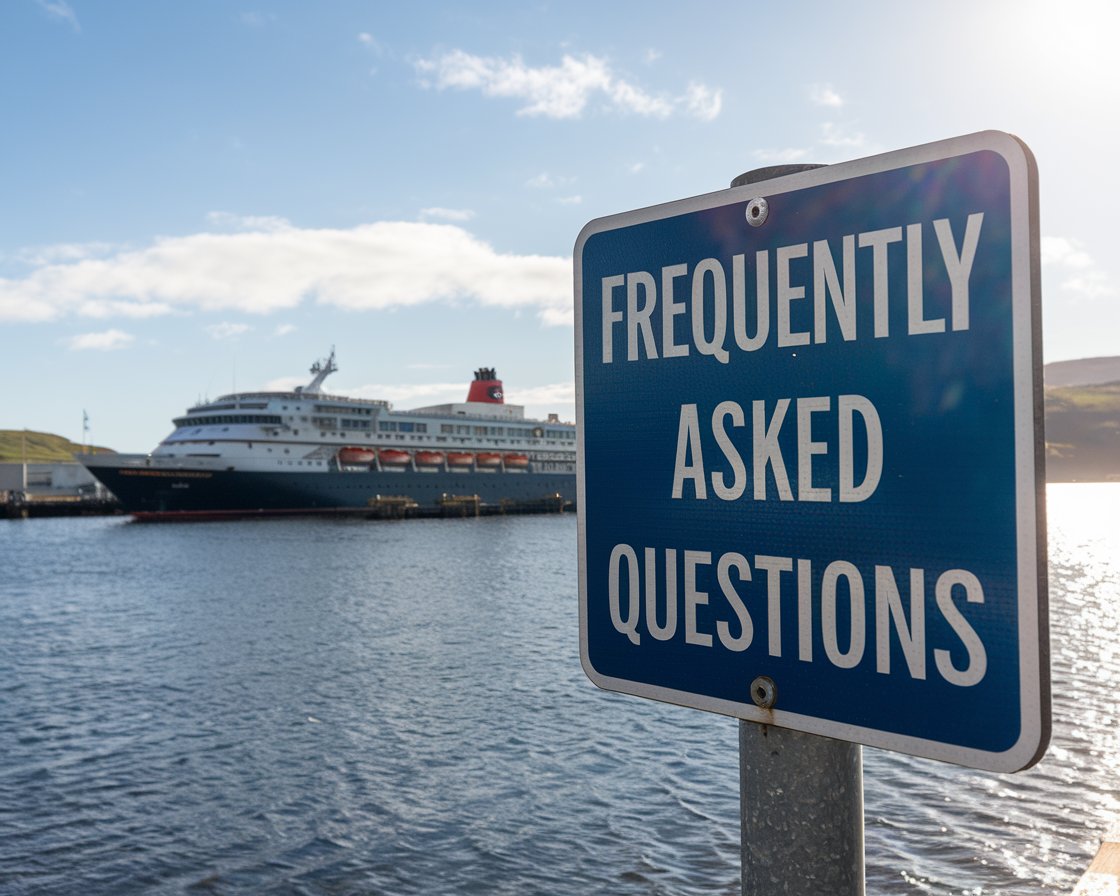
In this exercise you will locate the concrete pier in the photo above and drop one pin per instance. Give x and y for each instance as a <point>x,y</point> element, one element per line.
<point>1103,875</point>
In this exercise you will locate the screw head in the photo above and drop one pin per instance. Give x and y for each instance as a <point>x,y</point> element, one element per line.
<point>757,210</point>
<point>764,692</point>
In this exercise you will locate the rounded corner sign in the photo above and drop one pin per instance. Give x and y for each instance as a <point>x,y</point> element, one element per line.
<point>811,452</point>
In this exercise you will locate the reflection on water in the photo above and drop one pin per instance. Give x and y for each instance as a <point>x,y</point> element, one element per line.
<point>949,830</point>
<point>341,707</point>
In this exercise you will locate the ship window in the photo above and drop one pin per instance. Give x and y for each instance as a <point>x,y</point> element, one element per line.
<point>406,426</point>
<point>421,427</point>
<point>446,427</point>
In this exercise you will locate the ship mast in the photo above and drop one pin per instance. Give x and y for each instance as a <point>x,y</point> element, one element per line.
<point>320,371</point>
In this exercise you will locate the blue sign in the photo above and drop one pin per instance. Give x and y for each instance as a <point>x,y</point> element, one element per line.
<point>811,458</point>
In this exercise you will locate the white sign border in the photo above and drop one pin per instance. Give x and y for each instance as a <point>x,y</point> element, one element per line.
<point>1030,486</point>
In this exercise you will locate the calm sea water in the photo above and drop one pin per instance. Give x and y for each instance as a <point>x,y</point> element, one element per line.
<point>321,706</point>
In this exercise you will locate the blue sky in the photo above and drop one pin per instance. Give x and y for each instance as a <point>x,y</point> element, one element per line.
<point>206,196</point>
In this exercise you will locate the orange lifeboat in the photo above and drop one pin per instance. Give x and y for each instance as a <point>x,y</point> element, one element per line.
<point>429,458</point>
<point>517,461</point>
<point>356,457</point>
<point>488,460</point>
<point>459,458</point>
<point>393,457</point>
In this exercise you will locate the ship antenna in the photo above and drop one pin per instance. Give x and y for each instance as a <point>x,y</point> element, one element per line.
<point>321,371</point>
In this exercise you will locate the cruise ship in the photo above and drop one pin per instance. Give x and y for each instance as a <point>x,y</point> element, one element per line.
<point>306,451</point>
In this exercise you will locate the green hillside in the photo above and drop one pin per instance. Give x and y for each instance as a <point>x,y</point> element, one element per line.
<point>41,447</point>
<point>1083,433</point>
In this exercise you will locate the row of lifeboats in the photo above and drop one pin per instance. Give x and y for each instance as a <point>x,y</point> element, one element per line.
<point>398,458</point>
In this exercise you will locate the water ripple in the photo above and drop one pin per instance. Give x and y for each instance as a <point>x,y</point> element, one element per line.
<point>330,707</point>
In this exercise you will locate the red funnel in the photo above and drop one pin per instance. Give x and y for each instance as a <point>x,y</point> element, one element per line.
<point>486,387</point>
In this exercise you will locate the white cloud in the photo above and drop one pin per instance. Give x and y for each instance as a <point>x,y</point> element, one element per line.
<point>703,102</point>
<point>1067,259</point>
<point>558,394</point>
<point>36,256</point>
<point>570,200</point>
<point>368,40</point>
<point>1090,285</point>
<point>564,90</point>
<point>284,330</point>
<point>102,308</point>
<point>1058,251</point>
<point>61,11</point>
<point>227,330</point>
<point>834,135</point>
<point>366,268</point>
<point>106,341</point>
<point>447,214</point>
<point>824,95</point>
<point>230,221</point>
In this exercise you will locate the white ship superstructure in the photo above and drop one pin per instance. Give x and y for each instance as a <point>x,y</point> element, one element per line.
<point>292,441</point>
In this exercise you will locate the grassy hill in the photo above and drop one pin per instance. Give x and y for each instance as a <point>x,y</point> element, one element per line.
<point>1083,433</point>
<point>1083,372</point>
<point>41,447</point>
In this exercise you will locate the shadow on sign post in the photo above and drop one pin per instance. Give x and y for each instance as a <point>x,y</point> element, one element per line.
<point>811,476</point>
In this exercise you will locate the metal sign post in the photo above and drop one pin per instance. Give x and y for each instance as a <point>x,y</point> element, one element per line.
<point>800,813</point>
<point>801,825</point>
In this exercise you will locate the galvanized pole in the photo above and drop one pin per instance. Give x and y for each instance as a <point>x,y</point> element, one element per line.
<point>801,811</point>
<point>800,795</point>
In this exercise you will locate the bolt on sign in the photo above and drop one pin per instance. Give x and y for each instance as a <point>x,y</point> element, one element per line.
<point>811,485</point>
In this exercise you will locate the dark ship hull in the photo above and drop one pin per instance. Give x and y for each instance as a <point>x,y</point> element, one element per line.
<point>165,493</point>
